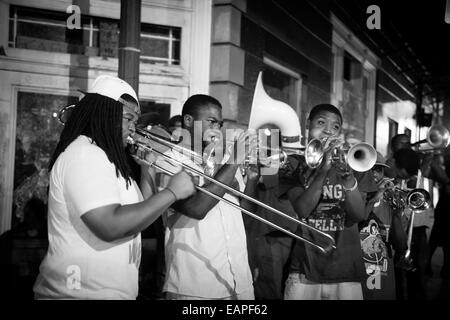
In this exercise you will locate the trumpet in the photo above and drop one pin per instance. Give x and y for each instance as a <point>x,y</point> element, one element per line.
<point>147,140</point>
<point>416,200</point>
<point>277,159</point>
<point>394,196</point>
<point>360,157</point>
<point>438,137</point>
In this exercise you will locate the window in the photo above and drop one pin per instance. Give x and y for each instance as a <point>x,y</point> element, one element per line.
<point>160,44</point>
<point>352,69</point>
<point>393,129</point>
<point>408,132</point>
<point>280,86</point>
<point>154,113</point>
<point>37,133</point>
<point>46,30</point>
<point>354,79</point>
<point>284,84</point>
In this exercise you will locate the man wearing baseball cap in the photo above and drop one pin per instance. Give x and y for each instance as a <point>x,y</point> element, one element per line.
<point>96,209</point>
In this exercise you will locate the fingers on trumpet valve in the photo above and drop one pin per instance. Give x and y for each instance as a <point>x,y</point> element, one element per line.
<point>386,183</point>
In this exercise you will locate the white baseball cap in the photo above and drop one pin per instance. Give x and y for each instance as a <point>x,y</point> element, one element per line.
<point>112,87</point>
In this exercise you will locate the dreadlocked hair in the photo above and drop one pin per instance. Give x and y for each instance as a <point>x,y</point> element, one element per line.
<point>99,118</point>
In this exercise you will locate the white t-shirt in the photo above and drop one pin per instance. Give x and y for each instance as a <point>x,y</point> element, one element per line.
<point>207,258</point>
<point>78,264</point>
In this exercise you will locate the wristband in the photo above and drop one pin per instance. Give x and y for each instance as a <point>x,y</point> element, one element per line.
<point>352,188</point>
<point>173,193</point>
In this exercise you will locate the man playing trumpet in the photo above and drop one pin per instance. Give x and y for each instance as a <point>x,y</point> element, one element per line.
<point>327,198</point>
<point>381,231</point>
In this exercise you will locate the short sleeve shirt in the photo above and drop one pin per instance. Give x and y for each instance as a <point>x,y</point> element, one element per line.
<point>78,264</point>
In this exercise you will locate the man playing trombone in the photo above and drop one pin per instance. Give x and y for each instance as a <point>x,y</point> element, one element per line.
<point>205,245</point>
<point>96,209</point>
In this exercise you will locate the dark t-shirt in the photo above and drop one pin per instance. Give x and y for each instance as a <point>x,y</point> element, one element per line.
<point>377,254</point>
<point>344,264</point>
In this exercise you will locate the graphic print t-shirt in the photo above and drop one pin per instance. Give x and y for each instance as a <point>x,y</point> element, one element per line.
<point>377,255</point>
<point>343,264</point>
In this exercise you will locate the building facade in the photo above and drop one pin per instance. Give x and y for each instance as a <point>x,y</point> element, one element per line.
<point>310,52</point>
<point>44,63</point>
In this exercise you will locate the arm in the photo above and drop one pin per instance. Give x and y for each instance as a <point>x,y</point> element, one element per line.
<point>398,236</point>
<point>147,184</point>
<point>92,188</point>
<point>114,222</point>
<point>390,172</point>
<point>250,188</point>
<point>305,200</point>
<point>438,173</point>
<point>354,205</point>
<point>199,205</point>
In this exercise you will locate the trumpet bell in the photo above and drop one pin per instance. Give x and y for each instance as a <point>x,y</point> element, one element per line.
<point>419,199</point>
<point>438,136</point>
<point>314,153</point>
<point>361,157</point>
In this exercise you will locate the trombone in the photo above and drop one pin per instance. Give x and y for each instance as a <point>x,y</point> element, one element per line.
<point>165,143</point>
<point>151,142</point>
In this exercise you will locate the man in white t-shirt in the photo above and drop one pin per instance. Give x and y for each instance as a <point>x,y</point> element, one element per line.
<point>96,209</point>
<point>205,240</point>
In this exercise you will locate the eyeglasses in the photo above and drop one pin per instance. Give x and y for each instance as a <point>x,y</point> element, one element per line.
<point>213,122</point>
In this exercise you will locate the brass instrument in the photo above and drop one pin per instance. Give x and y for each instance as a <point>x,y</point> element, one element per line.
<point>145,141</point>
<point>268,111</point>
<point>168,144</point>
<point>63,114</point>
<point>416,200</point>
<point>438,137</point>
<point>360,157</point>
<point>395,196</point>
